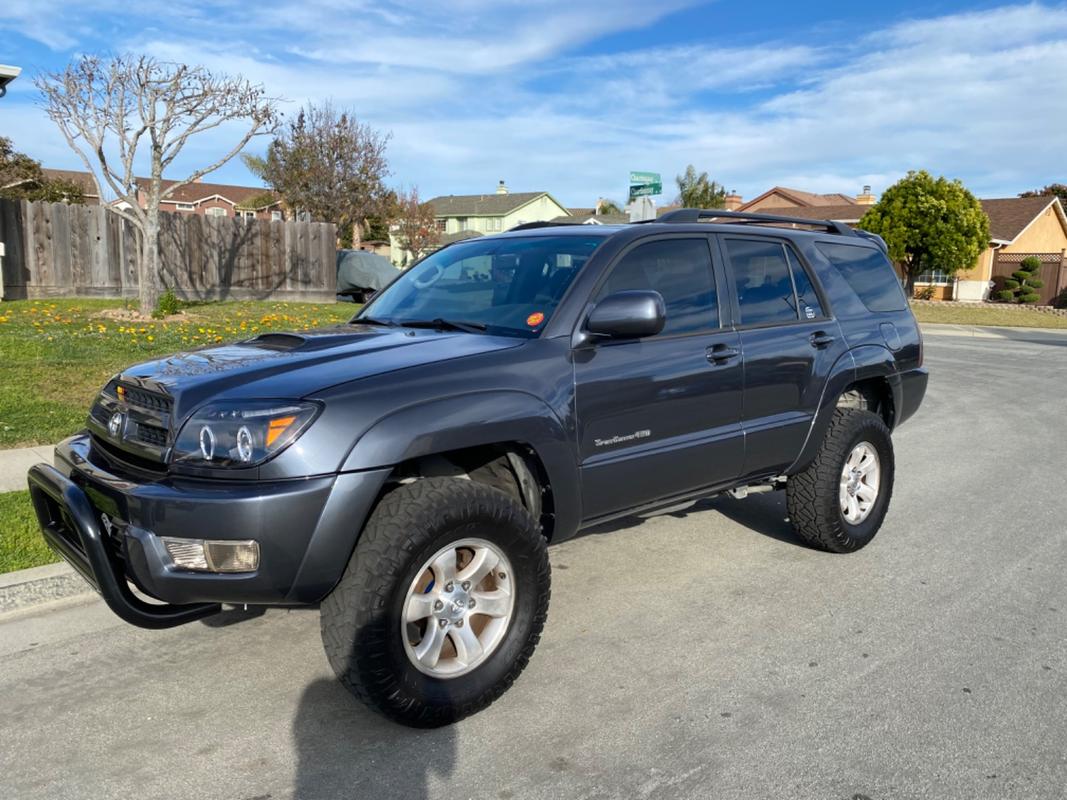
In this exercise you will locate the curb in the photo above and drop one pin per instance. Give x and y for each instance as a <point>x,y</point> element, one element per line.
<point>31,587</point>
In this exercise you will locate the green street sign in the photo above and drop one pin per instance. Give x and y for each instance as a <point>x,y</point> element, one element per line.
<point>645,177</point>
<point>645,189</point>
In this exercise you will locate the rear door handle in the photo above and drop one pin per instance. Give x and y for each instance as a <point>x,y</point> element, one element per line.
<point>721,353</point>
<point>821,339</point>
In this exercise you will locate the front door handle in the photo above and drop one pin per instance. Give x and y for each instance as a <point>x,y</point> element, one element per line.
<point>721,353</point>
<point>821,339</point>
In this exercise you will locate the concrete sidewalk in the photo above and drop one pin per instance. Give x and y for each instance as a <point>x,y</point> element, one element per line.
<point>14,463</point>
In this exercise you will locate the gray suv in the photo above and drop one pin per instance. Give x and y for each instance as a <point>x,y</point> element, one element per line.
<point>407,470</point>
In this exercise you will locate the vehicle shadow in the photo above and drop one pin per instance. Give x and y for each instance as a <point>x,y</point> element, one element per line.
<point>345,750</point>
<point>763,513</point>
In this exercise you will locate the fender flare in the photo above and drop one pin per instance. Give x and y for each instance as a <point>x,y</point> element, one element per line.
<point>856,364</point>
<point>475,419</point>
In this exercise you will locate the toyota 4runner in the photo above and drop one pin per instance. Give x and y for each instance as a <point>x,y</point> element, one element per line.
<point>407,470</point>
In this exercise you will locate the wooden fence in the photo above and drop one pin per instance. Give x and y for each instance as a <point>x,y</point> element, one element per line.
<point>1053,272</point>
<point>59,250</point>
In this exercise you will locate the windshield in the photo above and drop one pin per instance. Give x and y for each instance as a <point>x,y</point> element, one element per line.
<point>506,285</point>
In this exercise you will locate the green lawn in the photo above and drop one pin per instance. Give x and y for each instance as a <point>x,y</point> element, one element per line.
<point>56,354</point>
<point>21,544</point>
<point>996,315</point>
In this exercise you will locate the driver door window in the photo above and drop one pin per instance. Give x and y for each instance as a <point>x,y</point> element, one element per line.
<point>680,270</point>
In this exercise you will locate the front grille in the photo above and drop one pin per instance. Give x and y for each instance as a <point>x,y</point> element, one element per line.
<point>150,434</point>
<point>124,463</point>
<point>141,398</point>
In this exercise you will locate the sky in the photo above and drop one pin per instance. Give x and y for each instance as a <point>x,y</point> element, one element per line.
<point>566,97</point>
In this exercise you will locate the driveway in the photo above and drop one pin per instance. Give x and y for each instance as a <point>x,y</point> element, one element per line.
<point>702,654</point>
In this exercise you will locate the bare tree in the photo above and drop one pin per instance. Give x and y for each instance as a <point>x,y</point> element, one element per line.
<point>416,225</point>
<point>107,109</point>
<point>327,164</point>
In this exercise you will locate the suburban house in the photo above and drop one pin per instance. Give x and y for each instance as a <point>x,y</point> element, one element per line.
<point>464,216</point>
<point>218,200</point>
<point>492,213</point>
<point>1018,227</point>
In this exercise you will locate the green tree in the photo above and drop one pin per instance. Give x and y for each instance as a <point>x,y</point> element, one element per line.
<point>929,223</point>
<point>21,178</point>
<point>605,206</point>
<point>1058,189</point>
<point>1023,285</point>
<point>326,163</point>
<point>699,191</point>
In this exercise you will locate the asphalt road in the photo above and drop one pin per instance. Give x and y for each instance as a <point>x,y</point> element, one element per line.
<point>703,654</point>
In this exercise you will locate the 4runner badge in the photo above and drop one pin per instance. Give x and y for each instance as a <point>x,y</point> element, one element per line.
<point>114,425</point>
<point>627,438</point>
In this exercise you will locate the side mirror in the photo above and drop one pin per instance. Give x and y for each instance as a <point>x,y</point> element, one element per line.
<point>630,314</point>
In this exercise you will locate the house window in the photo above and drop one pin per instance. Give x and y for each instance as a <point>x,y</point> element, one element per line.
<point>275,216</point>
<point>216,211</point>
<point>492,224</point>
<point>246,214</point>
<point>442,225</point>
<point>184,206</point>
<point>935,277</point>
<point>462,223</point>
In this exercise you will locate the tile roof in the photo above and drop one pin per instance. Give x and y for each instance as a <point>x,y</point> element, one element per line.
<point>1008,216</point>
<point>199,191</point>
<point>78,177</point>
<point>802,198</point>
<point>843,212</point>
<point>480,205</point>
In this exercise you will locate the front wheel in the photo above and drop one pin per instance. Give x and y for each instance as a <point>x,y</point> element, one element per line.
<point>442,603</point>
<point>838,502</point>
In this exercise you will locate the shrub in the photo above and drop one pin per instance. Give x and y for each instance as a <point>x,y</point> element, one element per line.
<point>167,305</point>
<point>925,293</point>
<point>1060,300</point>
<point>1005,295</point>
<point>1023,284</point>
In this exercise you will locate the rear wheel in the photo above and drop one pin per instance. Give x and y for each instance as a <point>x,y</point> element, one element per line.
<point>839,502</point>
<point>442,603</point>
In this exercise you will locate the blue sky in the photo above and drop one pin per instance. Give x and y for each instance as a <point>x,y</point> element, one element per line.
<point>569,97</point>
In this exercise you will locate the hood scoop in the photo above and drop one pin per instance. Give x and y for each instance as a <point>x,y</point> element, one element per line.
<point>278,341</point>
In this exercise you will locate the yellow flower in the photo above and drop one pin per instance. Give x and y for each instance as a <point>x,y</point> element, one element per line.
<point>151,338</point>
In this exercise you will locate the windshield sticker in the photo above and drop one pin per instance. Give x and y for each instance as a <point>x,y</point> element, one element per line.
<point>535,319</point>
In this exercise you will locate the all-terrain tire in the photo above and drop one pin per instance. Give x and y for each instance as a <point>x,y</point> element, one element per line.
<point>813,496</point>
<point>360,619</point>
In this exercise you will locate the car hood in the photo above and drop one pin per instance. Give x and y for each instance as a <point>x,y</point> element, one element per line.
<point>295,365</point>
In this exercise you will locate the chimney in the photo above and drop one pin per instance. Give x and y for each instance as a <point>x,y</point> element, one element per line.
<point>502,188</point>
<point>733,201</point>
<point>866,198</point>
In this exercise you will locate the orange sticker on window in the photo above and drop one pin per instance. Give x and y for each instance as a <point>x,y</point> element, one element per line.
<point>535,319</point>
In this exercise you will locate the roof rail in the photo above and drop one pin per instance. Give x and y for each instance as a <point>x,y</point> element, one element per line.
<point>683,215</point>
<point>526,226</point>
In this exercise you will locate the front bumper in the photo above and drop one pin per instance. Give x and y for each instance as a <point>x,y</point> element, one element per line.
<point>108,526</point>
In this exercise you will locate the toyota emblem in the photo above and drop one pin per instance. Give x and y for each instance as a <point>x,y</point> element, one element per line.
<point>114,425</point>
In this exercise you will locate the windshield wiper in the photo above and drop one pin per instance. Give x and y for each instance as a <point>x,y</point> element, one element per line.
<point>445,324</point>
<point>372,321</point>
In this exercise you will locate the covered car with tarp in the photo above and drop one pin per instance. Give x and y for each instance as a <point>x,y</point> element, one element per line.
<point>360,274</point>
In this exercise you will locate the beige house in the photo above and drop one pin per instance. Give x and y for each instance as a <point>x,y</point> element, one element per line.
<point>1018,227</point>
<point>779,198</point>
<point>464,216</point>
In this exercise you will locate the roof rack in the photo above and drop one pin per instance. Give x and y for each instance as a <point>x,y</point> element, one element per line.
<point>683,215</point>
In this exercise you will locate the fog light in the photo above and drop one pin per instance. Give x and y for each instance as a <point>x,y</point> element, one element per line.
<point>213,555</point>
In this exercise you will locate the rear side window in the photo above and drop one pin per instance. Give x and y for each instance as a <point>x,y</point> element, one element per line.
<point>764,286</point>
<point>807,300</point>
<point>869,273</point>
<point>680,270</point>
